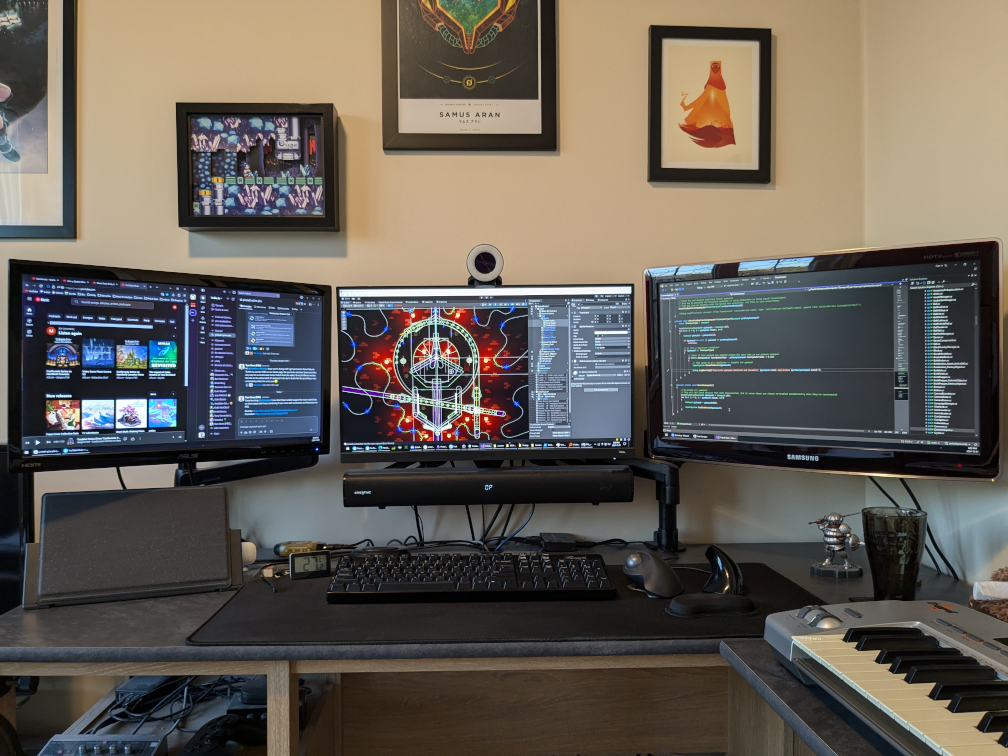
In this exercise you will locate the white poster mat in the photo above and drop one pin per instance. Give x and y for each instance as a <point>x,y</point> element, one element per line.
<point>422,116</point>
<point>36,199</point>
<point>685,68</point>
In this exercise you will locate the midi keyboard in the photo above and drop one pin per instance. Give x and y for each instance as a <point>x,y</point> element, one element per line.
<point>930,678</point>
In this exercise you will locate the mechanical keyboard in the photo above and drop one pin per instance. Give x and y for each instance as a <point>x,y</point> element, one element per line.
<point>929,677</point>
<point>383,578</point>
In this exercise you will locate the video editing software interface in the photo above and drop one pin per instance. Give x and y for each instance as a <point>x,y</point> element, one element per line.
<point>112,366</point>
<point>877,358</point>
<point>484,369</point>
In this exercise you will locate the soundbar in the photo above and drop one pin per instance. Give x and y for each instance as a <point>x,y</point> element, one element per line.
<point>559,484</point>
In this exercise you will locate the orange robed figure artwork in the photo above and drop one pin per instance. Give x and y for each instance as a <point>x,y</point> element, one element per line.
<point>708,119</point>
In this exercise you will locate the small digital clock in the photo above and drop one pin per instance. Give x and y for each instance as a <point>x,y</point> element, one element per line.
<point>309,564</point>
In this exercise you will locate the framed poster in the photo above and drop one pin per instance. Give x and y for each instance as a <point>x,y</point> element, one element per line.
<point>709,104</point>
<point>469,74</point>
<point>38,119</point>
<point>248,166</point>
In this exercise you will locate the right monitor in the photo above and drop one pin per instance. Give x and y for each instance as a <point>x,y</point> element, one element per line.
<point>882,362</point>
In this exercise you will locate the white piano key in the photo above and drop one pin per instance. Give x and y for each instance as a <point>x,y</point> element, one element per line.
<point>975,750</point>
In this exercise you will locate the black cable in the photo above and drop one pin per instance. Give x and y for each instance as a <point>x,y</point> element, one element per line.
<point>472,533</point>
<point>895,504</point>
<point>507,520</point>
<point>930,534</point>
<point>419,526</point>
<point>121,481</point>
<point>488,528</point>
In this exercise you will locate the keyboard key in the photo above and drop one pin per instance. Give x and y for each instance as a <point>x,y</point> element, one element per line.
<point>945,691</point>
<point>962,702</point>
<point>903,664</point>
<point>891,643</point>
<point>994,721</point>
<point>950,674</point>
<point>888,657</point>
<point>854,634</point>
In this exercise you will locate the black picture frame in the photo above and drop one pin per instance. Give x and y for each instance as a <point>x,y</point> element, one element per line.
<point>659,172</point>
<point>328,221</point>
<point>68,229</point>
<point>393,139</point>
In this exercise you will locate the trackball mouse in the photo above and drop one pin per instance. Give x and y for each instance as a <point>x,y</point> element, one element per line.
<point>654,575</point>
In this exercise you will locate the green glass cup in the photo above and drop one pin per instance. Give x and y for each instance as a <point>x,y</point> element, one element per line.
<point>894,539</point>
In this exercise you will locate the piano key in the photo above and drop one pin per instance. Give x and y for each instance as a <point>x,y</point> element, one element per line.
<point>984,702</point>
<point>854,634</point>
<point>878,642</point>
<point>888,657</point>
<point>903,664</point>
<point>951,674</point>
<point>974,750</point>
<point>945,691</point>
<point>994,721</point>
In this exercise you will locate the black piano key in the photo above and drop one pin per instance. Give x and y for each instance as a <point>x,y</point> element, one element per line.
<point>950,674</point>
<point>889,643</point>
<point>854,634</point>
<point>945,691</point>
<point>888,657</point>
<point>963,702</point>
<point>905,663</point>
<point>1003,740</point>
<point>994,721</point>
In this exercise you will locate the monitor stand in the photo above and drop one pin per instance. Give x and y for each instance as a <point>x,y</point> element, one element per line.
<point>188,475</point>
<point>666,478</point>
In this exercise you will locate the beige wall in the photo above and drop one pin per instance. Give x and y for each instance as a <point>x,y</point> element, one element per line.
<point>936,112</point>
<point>585,214</point>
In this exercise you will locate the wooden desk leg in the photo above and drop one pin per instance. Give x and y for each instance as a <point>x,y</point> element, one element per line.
<point>8,706</point>
<point>754,729</point>
<point>281,709</point>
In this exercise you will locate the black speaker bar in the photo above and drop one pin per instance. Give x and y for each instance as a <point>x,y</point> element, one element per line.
<point>423,487</point>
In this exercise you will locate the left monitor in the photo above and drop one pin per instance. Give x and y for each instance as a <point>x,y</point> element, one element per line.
<point>112,366</point>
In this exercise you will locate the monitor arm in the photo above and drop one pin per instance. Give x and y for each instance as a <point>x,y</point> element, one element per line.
<point>666,478</point>
<point>188,475</point>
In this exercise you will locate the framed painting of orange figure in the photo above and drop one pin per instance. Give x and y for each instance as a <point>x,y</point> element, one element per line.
<point>709,105</point>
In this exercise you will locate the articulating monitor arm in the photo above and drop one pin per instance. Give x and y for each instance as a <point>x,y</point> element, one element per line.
<point>666,478</point>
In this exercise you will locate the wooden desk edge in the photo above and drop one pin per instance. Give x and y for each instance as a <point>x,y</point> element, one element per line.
<point>340,666</point>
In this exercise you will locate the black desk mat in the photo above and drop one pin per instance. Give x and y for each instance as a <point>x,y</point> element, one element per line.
<point>297,614</point>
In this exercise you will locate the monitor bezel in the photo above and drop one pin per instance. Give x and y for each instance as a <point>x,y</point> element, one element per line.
<point>228,450</point>
<point>502,455</point>
<point>985,465</point>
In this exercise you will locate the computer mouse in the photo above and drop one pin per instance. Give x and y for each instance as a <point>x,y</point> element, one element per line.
<point>652,574</point>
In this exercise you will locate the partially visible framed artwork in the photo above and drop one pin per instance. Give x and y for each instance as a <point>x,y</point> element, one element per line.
<point>469,74</point>
<point>248,166</point>
<point>709,104</point>
<point>38,119</point>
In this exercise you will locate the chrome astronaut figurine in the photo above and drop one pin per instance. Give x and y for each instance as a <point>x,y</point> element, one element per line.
<point>837,536</point>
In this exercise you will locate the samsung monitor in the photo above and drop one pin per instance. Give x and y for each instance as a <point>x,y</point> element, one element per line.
<point>486,373</point>
<point>882,361</point>
<point>109,366</point>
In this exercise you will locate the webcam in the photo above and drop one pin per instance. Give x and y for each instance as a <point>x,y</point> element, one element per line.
<point>485,263</point>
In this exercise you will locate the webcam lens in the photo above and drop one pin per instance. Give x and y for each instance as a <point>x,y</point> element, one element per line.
<point>485,262</point>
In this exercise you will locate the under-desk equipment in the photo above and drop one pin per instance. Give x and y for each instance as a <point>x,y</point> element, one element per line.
<point>384,578</point>
<point>104,745</point>
<point>930,678</point>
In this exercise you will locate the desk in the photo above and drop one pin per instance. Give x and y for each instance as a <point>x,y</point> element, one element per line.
<point>653,696</point>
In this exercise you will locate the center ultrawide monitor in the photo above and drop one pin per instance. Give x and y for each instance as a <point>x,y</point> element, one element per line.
<point>873,361</point>
<point>486,373</point>
<point>109,366</point>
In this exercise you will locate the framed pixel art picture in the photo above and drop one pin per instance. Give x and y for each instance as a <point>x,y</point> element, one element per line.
<point>38,119</point>
<point>709,104</point>
<point>469,74</point>
<point>244,166</point>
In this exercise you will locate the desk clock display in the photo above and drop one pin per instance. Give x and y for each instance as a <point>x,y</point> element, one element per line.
<point>309,564</point>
